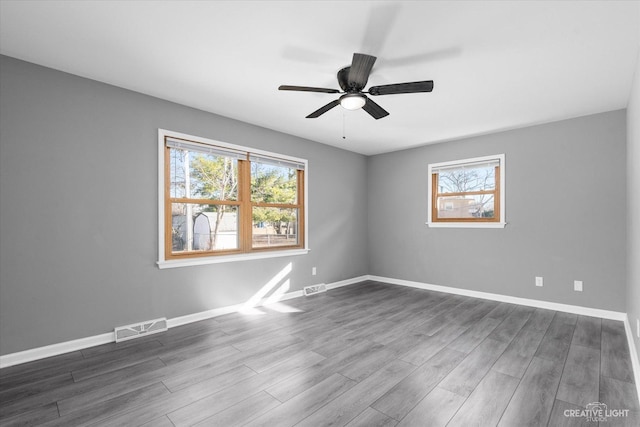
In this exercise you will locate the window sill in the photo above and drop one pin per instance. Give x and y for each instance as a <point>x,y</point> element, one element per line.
<point>466,224</point>
<point>228,258</point>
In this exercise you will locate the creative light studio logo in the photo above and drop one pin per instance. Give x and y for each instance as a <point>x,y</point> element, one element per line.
<point>596,412</point>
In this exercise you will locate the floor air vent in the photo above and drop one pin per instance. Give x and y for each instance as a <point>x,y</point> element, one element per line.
<point>124,333</point>
<point>315,289</point>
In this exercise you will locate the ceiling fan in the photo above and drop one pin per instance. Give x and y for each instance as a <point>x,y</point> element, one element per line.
<point>352,80</point>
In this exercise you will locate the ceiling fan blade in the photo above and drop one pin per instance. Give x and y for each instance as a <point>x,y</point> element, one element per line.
<point>324,109</point>
<point>308,89</point>
<point>361,66</point>
<point>376,111</point>
<point>413,87</point>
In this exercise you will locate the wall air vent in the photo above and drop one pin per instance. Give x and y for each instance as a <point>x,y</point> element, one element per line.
<point>124,333</point>
<point>315,289</point>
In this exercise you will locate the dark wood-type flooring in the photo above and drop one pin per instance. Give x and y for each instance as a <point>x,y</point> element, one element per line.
<point>369,354</point>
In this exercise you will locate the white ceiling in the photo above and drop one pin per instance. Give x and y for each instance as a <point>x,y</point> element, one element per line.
<point>496,65</point>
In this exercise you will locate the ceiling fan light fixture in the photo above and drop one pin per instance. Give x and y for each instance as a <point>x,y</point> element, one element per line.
<point>353,101</point>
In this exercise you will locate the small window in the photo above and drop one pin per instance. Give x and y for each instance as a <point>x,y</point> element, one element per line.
<point>224,200</point>
<point>467,193</point>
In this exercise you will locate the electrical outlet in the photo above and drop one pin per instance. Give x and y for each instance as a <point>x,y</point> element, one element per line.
<point>313,271</point>
<point>638,327</point>
<point>539,281</point>
<point>577,285</point>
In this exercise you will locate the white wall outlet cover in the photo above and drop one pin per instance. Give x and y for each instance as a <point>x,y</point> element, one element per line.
<point>539,281</point>
<point>577,285</point>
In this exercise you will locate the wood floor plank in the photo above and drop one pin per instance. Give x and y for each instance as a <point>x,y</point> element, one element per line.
<point>512,324</point>
<point>130,378</point>
<point>403,397</point>
<point>113,348</point>
<point>372,331</point>
<point>267,360</point>
<point>29,389</point>
<point>476,314</point>
<point>336,346</point>
<point>33,417</point>
<point>435,410</point>
<point>501,311</point>
<point>588,332</point>
<point>466,376</point>
<point>561,418</point>
<point>265,342</point>
<point>399,328</point>
<point>162,421</point>
<point>370,363</point>
<point>96,394</point>
<point>616,359</point>
<point>316,373</point>
<point>579,383</point>
<point>517,357</point>
<point>487,402</point>
<point>372,418</point>
<point>192,412</point>
<point>115,360</point>
<point>540,320</point>
<point>450,332</point>
<point>325,336</point>
<point>342,410</point>
<point>421,353</point>
<point>533,400</point>
<point>243,412</point>
<point>618,394</point>
<point>365,366</point>
<point>218,362</point>
<point>474,335</point>
<point>306,403</point>
<point>17,375</point>
<point>90,415</point>
<point>557,340</point>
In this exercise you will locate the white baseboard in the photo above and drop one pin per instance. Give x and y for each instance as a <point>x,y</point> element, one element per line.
<point>82,343</point>
<point>347,282</point>
<point>55,349</point>
<point>575,309</point>
<point>633,351</point>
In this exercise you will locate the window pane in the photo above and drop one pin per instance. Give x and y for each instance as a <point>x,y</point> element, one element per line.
<point>480,206</point>
<point>210,177</point>
<point>203,227</point>
<point>274,227</point>
<point>178,178</point>
<point>467,179</point>
<point>273,184</point>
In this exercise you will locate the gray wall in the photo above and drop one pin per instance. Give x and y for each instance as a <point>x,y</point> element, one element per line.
<point>78,210</point>
<point>565,197</point>
<point>633,207</point>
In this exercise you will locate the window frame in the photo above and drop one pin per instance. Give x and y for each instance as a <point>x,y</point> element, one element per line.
<point>245,249</point>
<point>499,201</point>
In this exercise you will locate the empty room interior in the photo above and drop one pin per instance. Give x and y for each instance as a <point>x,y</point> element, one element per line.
<point>310,213</point>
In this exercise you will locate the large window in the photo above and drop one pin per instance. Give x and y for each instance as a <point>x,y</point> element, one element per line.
<point>467,193</point>
<point>222,200</point>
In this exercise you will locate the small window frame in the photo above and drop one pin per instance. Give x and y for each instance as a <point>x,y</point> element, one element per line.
<point>499,221</point>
